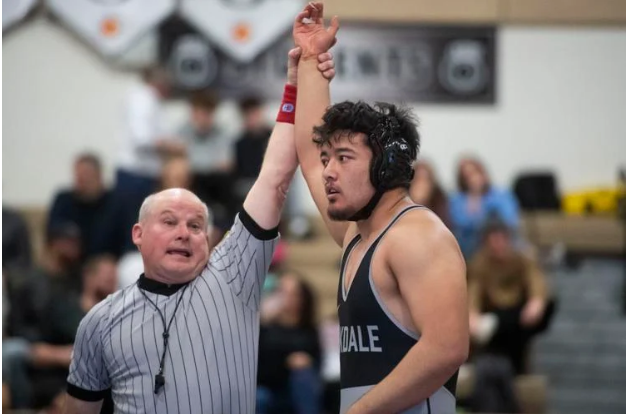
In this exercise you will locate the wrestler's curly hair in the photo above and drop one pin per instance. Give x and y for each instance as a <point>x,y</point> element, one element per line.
<point>349,118</point>
<point>380,123</point>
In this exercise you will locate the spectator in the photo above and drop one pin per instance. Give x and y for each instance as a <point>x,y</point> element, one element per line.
<point>208,145</point>
<point>145,142</point>
<point>85,203</point>
<point>475,200</point>
<point>508,297</point>
<point>16,246</point>
<point>210,153</point>
<point>426,190</point>
<point>37,365</point>
<point>289,350</point>
<point>29,319</point>
<point>58,271</point>
<point>251,144</point>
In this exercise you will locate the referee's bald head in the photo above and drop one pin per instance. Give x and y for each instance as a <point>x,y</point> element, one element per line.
<point>172,194</point>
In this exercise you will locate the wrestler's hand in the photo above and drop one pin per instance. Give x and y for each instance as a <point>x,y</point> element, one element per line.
<point>325,66</point>
<point>312,36</point>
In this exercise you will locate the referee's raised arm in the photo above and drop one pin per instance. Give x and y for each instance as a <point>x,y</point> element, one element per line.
<point>266,198</point>
<point>244,256</point>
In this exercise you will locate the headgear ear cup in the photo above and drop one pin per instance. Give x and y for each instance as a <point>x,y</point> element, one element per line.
<point>396,166</point>
<point>391,165</point>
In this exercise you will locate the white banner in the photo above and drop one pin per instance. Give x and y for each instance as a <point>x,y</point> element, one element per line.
<point>15,10</point>
<point>241,28</point>
<point>111,26</point>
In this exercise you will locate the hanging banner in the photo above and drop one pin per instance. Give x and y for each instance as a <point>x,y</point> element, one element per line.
<point>373,62</point>
<point>111,26</point>
<point>241,28</point>
<point>15,10</point>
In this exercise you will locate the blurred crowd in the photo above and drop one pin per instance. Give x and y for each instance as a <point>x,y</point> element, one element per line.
<point>88,254</point>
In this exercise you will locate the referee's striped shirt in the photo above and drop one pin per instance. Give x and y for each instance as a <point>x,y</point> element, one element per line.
<point>211,360</point>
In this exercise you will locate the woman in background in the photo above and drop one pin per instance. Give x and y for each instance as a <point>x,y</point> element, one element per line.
<point>426,190</point>
<point>476,201</point>
<point>289,350</point>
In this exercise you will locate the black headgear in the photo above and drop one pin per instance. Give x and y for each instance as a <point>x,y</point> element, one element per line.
<point>391,165</point>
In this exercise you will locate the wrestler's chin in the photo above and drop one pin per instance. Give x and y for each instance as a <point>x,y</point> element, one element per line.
<point>339,214</point>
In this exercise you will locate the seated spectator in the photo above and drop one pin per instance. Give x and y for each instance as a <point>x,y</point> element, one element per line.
<point>146,140</point>
<point>426,190</point>
<point>476,199</point>
<point>508,284</point>
<point>16,245</point>
<point>250,145</point>
<point>83,204</point>
<point>289,351</point>
<point>210,153</point>
<point>45,312</point>
<point>508,305</point>
<point>37,365</point>
<point>59,269</point>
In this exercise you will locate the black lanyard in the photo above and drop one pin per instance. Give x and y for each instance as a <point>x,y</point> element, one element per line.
<point>159,378</point>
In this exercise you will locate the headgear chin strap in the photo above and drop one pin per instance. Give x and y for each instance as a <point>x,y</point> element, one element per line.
<point>391,166</point>
<point>365,212</point>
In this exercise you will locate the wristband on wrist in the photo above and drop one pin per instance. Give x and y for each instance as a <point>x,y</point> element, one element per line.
<point>288,105</point>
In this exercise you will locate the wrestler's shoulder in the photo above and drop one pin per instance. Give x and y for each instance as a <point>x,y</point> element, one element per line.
<point>421,228</point>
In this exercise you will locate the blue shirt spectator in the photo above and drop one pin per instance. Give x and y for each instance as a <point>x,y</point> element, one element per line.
<point>84,204</point>
<point>475,202</point>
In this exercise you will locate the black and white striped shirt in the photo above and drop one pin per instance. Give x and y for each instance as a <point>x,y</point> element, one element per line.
<point>211,358</point>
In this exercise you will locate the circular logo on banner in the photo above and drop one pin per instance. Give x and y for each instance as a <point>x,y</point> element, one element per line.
<point>463,70</point>
<point>193,63</point>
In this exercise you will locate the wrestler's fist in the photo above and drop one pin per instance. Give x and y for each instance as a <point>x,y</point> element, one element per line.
<point>311,35</point>
<point>325,65</point>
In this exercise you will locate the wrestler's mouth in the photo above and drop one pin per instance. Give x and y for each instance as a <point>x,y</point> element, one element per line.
<point>331,190</point>
<point>331,193</point>
<point>179,252</point>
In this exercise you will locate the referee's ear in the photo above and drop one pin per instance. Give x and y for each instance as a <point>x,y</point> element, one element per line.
<point>136,235</point>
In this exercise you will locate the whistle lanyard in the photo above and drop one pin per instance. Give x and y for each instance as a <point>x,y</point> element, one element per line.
<point>160,380</point>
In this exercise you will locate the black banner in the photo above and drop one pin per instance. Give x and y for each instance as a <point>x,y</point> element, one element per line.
<point>373,62</point>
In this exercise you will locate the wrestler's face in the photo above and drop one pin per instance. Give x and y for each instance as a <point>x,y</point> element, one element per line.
<point>173,236</point>
<point>346,174</point>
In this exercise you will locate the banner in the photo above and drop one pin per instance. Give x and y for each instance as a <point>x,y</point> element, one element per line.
<point>111,26</point>
<point>15,10</point>
<point>373,62</point>
<point>241,28</point>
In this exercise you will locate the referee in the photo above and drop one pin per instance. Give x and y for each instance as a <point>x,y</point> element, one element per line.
<point>184,338</point>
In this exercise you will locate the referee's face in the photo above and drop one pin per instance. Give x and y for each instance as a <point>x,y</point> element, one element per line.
<point>173,237</point>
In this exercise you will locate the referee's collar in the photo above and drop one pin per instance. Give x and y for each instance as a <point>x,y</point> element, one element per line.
<point>159,288</point>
